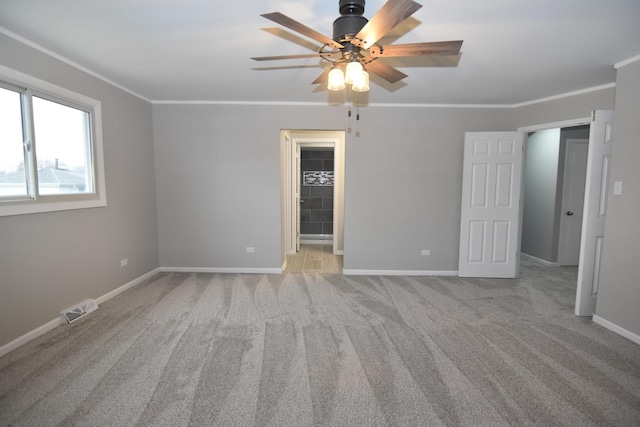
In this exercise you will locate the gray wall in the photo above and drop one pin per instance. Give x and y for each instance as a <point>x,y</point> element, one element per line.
<point>619,295</point>
<point>203,168</point>
<point>402,184</point>
<point>540,182</point>
<point>51,261</point>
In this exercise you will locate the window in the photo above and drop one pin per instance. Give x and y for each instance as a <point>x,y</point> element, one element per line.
<point>50,147</point>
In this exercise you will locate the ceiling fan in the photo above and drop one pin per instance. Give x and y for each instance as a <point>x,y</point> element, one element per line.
<point>355,47</point>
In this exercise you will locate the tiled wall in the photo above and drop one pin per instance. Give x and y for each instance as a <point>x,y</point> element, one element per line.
<point>316,209</point>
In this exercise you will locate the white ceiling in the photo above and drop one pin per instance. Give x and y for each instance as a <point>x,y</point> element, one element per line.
<point>514,51</point>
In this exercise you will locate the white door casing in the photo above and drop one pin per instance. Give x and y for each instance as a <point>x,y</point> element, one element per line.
<point>595,210</point>
<point>575,172</point>
<point>298,180</point>
<point>490,226</point>
<point>291,143</point>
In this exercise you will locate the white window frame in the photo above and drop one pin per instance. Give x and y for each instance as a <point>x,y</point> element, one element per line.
<point>50,203</point>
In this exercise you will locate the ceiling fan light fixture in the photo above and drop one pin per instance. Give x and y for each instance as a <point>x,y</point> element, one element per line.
<point>354,70</point>
<point>336,79</point>
<point>361,83</point>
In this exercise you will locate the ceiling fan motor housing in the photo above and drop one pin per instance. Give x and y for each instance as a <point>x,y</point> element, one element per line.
<point>347,26</point>
<point>351,20</point>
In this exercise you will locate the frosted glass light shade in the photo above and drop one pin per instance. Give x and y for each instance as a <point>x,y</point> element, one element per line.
<point>336,79</point>
<point>361,83</point>
<point>354,69</point>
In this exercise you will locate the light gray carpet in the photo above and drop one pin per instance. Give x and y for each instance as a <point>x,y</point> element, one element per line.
<point>325,349</point>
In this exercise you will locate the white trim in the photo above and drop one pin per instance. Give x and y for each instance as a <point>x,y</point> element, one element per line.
<point>565,95</point>
<point>617,329</point>
<point>539,260</point>
<point>562,124</point>
<point>127,286</point>
<point>304,241</point>
<point>256,103</point>
<point>59,57</point>
<point>58,320</point>
<point>626,62</point>
<point>390,105</point>
<point>324,104</point>
<point>395,105</point>
<point>30,335</point>
<point>239,270</point>
<point>352,272</point>
<point>67,61</point>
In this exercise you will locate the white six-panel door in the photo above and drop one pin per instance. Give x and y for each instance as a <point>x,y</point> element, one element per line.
<point>491,207</point>
<point>595,211</point>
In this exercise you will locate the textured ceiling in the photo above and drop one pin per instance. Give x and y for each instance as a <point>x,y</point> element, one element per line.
<point>514,51</point>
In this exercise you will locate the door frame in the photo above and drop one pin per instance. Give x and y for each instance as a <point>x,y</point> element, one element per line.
<point>562,124</point>
<point>291,141</point>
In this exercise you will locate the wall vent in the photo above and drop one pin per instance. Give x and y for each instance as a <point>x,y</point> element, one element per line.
<point>74,313</point>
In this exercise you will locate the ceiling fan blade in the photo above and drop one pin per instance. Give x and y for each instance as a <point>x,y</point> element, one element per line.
<point>294,25</point>
<point>385,71</point>
<point>274,58</point>
<point>389,16</point>
<point>322,78</point>
<point>417,49</point>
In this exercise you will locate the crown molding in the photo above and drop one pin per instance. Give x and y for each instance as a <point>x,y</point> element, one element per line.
<point>626,62</point>
<point>67,61</point>
<point>565,95</point>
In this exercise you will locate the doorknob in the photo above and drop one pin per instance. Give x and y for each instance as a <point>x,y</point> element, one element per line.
<point>569,213</point>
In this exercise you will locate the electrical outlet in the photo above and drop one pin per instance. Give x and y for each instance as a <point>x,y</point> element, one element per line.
<point>124,262</point>
<point>251,249</point>
<point>425,252</point>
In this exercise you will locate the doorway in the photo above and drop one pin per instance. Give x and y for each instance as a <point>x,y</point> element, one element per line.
<point>553,185</point>
<point>594,207</point>
<point>293,192</point>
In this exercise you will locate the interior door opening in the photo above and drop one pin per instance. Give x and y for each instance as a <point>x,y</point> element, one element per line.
<point>305,189</point>
<point>554,173</point>
<point>594,209</point>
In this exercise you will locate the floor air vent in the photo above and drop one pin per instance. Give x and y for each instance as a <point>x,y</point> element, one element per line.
<point>74,313</point>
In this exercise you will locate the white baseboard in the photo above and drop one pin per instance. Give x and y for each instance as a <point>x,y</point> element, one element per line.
<point>30,335</point>
<point>221,270</point>
<point>126,286</point>
<point>539,260</point>
<point>58,320</point>
<point>350,272</point>
<point>617,329</point>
